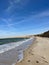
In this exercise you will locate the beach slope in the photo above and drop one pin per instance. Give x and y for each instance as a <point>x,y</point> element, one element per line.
<point>37,53</point>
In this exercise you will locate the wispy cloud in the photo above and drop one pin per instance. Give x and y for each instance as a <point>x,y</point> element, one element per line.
<point>15,21</point>
<point>10,24</point>
<point>17,1</point>
<point>25,19</point>
<point>7,26</point>
<point>7,21</point>
<point>42,14</point>
<point>13,4</point>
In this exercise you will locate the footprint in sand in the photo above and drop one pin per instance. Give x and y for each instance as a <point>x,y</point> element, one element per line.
<point>28,60</point>
<point>44,59</point>
<point>37,61</point>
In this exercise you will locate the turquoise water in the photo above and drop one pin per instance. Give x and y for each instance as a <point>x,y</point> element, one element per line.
<point>9,40</point>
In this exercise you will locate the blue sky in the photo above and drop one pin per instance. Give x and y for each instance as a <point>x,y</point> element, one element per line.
<point>23,17</point>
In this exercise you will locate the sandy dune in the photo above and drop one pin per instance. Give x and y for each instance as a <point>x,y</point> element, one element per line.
<point>37,54</point>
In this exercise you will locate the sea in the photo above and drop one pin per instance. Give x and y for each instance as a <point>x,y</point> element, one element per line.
<point>11,50</point>
<point>10,40</point>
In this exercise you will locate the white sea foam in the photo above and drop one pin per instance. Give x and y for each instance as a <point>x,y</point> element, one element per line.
<point>6,47</point>
<point>14,51</point>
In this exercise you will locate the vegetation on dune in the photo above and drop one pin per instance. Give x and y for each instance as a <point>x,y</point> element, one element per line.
<point>45,34</point>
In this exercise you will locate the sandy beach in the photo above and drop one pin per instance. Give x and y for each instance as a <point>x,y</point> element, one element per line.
<point>37,53</point>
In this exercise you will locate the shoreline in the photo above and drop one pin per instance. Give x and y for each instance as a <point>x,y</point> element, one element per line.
<point>15,53</point>
<point>37,53</point>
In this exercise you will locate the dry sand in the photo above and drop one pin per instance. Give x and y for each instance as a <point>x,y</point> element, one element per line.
<point>37,53</point>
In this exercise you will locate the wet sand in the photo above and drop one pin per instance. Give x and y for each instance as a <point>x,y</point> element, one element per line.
<point>37,53</point>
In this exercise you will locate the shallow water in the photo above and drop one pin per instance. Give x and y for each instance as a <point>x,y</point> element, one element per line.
<point>13,52</point>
